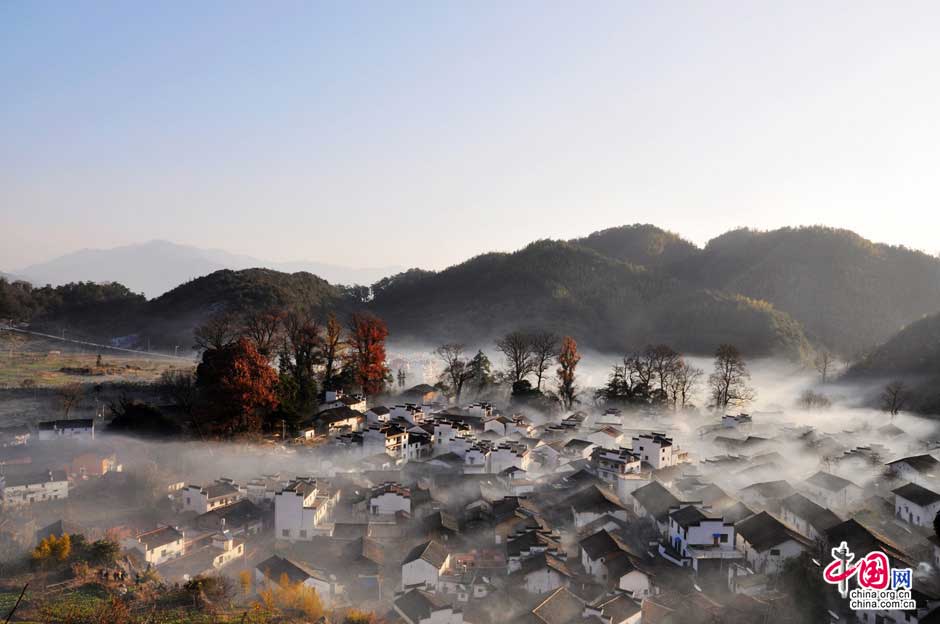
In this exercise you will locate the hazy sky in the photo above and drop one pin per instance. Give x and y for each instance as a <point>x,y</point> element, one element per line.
<point>423,133</point>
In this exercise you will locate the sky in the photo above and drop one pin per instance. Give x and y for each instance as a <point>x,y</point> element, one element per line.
<point>423,133</point>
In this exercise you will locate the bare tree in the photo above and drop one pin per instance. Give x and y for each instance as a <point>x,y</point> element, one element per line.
<point>219,331</point>
<point>70,396</point>
<point>264,329</point>
<point>662,361</point>
<point>894,397</point>
<point>456,371</point>
<point>179,387</point>
<point>334,350</point>
<point>517,348</point>
<point>824,362</point>
<point>683,383</point>
<point>729,382</point>
<point>545,346</point>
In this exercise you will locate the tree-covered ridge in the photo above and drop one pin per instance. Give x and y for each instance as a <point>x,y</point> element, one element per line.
<point>849,293</point>
<point>611,305</point>
<point>641,244</point>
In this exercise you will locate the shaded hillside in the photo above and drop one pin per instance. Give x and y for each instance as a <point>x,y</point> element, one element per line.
<point>607,304</point>
<point>640,244</point>
<point>849,293</point>
<point>912,355</point>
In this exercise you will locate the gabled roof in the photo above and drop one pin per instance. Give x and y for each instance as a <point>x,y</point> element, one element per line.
<point>917,494</point>
<point>274,567</point>
<point>770,489</point>
<point>829,482</point>
<point>737,512</point>
<point>562,607</point>
<point>862,539</point>
<point>762,531</point>
<point>655,499</point>
<point>690,515</point>
<point>815,515</point>
<point>920,463</point>
<point>594,499</point>
<point>598,545</point>
<point>619,608</point>
<point>432,552</point>
<point>159,537</point>
<point>418,605</point>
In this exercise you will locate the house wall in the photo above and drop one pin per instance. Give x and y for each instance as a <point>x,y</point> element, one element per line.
<point>701,535</point>
<point>293,520</point>
<point>389,503</point>
<point>19,495</point>
<point>419,572</point>
<point>913,513</point>
<point>543,581</point>
<point>765,562</point>
<point>635,583</point>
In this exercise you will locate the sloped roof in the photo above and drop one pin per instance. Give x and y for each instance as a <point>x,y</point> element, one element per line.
<point>418,605</point>
<point>763,531</point>
<point>655,499</point>
<point>561,607</point>
<point>599,544</point>
<point>829,482</point>
<point>815,515</point>
<point>917,494</point>
<point>431,551</point>
<point>771,489</point>
<point>920,463</point>
<point>274,567</point>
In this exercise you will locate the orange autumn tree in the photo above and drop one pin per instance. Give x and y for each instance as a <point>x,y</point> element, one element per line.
<point>367,334</point>
<point>237,388</point>
<point>567,363</point>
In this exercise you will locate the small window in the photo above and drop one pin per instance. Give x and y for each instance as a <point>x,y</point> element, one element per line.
<point>775,552</point>
<point>285,533</point>
<point>303,532</point>
<point>724,538</point>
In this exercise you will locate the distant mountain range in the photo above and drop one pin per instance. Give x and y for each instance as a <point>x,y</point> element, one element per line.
<point>781,292</point>
<point>157,266</point>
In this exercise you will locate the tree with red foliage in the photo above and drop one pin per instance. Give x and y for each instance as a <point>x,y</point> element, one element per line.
<point>237,387</point>
<point>367,334</point>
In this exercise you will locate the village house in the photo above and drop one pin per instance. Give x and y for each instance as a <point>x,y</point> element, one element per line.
<point>611,465</point>
<point>419,607</point>
<point>388,499</point>
<point>506,455</point>
<point>158,546</point>
<point>377,414</point>
<point>806,517</point>
<point>596,551</point>
<point>738,421</point>
<point>654,501</point>
<point>698,537</point>
<point>832,491</point>
<point>424,565</point>
<point>337,398</point>
<point>241,518</point>
<point>916,505</point>
<point>540,574</point>
<point>201,499</point>
<point>593,502</point>
<point>303,509</point>
<point>281,570</point>
<point>75,429</point>
<point>767,494</point>
<point>27,486</point>
<point>767,543</point>
<point>923,470</point>
<point>657,450</point>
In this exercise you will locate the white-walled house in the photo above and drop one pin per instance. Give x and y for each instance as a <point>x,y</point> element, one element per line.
<point>202,499</point>
<point>75,429</point>
<point>596,551</point>
<point>657,450</point>
<point>767,543</point>
<point>19,487</point>
<point>506,455</point>
<point>916,505</point>
<point>540,574</point>
<point>337,398</point>
<point>806,517</point>
<point>157,546</point>
<point>420,607</point>
<point>303,509</point>
<point>920,469</point>
<point>388,499</point>
<point>611,464</point>
<point>276,569</point>
<point>697,536</point>
<point>833,491</point>
<point>424,565</point>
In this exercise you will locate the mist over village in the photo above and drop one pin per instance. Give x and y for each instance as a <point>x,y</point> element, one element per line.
<point>469,313</point>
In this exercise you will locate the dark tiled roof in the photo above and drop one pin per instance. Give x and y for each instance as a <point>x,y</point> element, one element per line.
<point>917,494</point>
<point>159,537</point>
<point>816,516</point>
<point>431,551</point>
<point>562,607</point>
<point>601,544</point>
<point>655,499</point>
<point>829,481</point>
<point>920,463</point>
<point>771,489</point>
<point>763,531</point>
<point>418,605</point>
<point>274,567</point>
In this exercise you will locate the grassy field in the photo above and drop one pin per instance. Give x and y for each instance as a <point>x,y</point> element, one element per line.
<point>56,368</point>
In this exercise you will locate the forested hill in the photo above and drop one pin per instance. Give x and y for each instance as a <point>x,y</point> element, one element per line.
<point>913,356</point>
<point>614,290</point>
